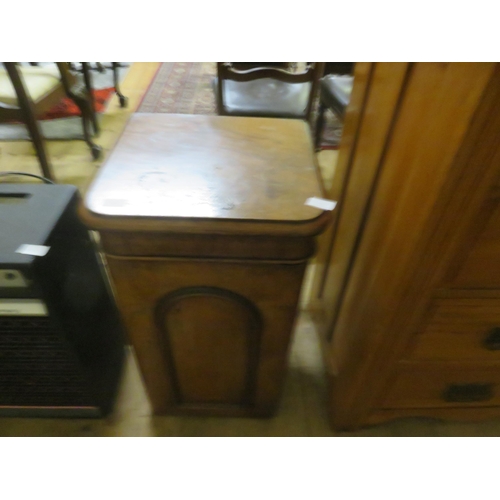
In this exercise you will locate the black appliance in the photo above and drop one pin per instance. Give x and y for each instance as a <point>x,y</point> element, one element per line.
<point>61,340</point>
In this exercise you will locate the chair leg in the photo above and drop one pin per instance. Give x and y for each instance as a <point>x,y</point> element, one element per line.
<point>86,121</point>
<point>89,86</point>
<point>116,83</point>
<point>80,98</point>
<point>219,98</point>
<point>28,114</point>
<point>319,126</point>
<point>86,111</point>
<point>38,142</point>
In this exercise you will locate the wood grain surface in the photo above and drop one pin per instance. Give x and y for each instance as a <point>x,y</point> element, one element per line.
<point>209,167</point>
<point>414,208</point>
<point>207,235</point>
<point>217,351</point>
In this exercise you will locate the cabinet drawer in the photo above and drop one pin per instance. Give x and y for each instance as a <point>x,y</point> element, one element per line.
<point>459,329</point>
<point>444,385</point>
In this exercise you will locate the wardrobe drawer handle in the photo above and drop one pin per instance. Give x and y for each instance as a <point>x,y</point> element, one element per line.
<point>492,340</point>
<point>468,393</point>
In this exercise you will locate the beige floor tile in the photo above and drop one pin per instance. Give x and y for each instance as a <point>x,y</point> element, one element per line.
<point>327,160</point>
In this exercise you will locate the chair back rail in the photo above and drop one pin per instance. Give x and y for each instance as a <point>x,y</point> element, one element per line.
<point>312,74</point>
<point>228,72</point>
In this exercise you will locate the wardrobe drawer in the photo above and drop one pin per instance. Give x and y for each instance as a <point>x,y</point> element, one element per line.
<point>481,266</point>
<point>459,329</point>
<point>443,385</point>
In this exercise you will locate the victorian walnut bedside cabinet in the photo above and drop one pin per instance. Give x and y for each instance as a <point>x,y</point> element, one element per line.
<point>206,233</point>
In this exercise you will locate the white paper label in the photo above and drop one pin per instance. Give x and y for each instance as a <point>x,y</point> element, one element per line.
<point>36,250</point>
<point>22,307</point>
<point>321,203</point>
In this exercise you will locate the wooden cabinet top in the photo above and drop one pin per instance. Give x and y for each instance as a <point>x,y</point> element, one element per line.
<point>171,170</point>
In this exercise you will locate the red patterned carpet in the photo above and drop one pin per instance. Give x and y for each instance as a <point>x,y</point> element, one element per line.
<point>186,88</point>
<point>181,87</point>
<point>67,106</point>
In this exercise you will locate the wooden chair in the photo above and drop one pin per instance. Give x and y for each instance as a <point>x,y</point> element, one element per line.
<point>335,93</point>
<point>338,68</point>
<point>86,69</point>
<point>101,68</point>
<point>266,91</point>
<point>242,66</point>
<point>26,92</point>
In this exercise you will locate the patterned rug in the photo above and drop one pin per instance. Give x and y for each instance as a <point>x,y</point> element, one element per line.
<point>181,87</point>
<point>63,121</point>
<point>186,88</point>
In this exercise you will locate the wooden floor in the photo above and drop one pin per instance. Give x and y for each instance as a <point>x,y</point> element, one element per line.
<point>303,407</point>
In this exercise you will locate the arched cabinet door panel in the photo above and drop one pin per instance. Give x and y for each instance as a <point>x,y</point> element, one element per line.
<point>210,338</point>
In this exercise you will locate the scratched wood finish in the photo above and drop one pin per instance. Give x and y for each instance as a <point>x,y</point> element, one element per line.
<point>210,168</point>
<point>207,236</point>
<point>428,204</point>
